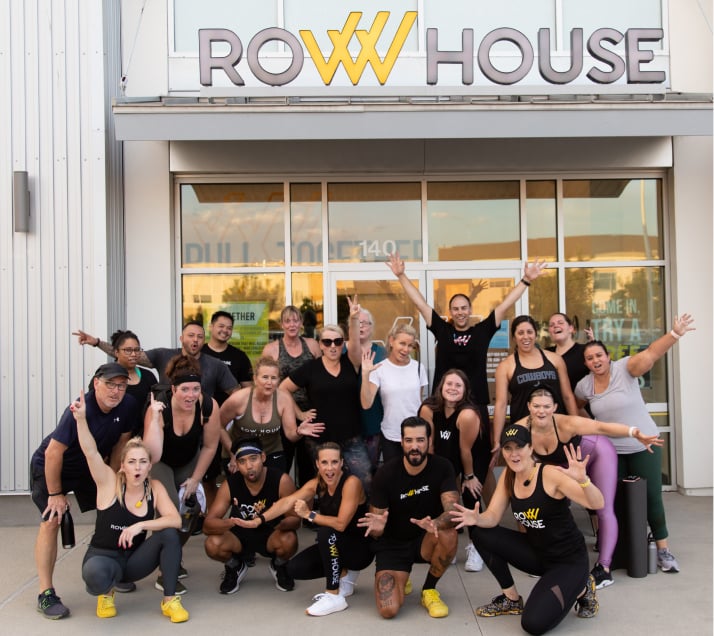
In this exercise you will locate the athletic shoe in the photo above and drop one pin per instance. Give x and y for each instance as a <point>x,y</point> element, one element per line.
<point>159,585</point>
<point>183,572</point>
<point>587,605</point>
<point>283,581</point>
<point>105,606</point>
<point>408,587</point>
<point>602,577</point>
<point>50,605</point>
<point>325,604</point>
<point>174,610</point>
<point>124,587</point>
<point>232,577</point>
<point>347,588</point>
<point>474,562</point>
<point>501,605</point>
<point>666,561</point>
<point>198,528</point>
<point>249,559</point>
<point>433,603</point>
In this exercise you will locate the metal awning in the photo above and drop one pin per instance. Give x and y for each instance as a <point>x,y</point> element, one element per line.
<point>418,117</point>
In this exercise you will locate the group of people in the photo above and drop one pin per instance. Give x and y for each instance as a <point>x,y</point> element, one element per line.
<point>380,466</point>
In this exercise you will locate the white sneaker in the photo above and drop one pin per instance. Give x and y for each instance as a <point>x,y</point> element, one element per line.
<point>474,562</point>
<point>326,604</point>
<point>347,588</point>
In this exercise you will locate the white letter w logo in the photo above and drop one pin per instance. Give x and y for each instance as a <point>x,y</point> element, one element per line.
<point>368,53</point>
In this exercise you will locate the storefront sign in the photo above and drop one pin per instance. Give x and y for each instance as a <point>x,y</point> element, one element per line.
<point>593,59</point>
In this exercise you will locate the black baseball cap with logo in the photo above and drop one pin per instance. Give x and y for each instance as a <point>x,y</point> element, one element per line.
<point>516,433</point>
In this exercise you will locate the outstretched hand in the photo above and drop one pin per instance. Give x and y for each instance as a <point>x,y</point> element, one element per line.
<point>463,516</point>
<point>576,463</point>
<point>680,325</point>
<point>78,407</point>
<point>373,522</point>
<point>396,264</point>
<point>531,271</point>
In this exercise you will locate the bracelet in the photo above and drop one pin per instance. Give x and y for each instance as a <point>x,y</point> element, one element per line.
<point>261,516</point>
<point>632,431</point>
<point>469,476</point>
<point>586,483</point>
<point>674,334</point>
<point>525,282</point>
<point>96,344</point>
<point>55,494</point>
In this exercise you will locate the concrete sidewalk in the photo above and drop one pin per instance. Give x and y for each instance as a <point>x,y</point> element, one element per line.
<point>658,604</point>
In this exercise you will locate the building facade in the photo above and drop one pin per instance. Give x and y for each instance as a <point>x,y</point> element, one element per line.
<point>183,159</point>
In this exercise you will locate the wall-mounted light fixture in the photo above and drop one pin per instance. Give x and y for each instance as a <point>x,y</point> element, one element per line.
<point>20,202</point>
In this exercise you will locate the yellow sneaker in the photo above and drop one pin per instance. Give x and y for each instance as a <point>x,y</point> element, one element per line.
<point>105,606</point>
<point>408,587</point>
<point>433,603</point>
<point>174,610</point>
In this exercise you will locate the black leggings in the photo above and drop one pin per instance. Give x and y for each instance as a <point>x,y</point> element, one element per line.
<point>560,583</point>
<point>332,552</point>
<point>103,569</point>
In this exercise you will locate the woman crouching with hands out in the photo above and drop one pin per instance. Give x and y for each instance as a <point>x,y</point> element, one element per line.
<point>552,546</point>
<point>127,503</point>
<point>341,550</point>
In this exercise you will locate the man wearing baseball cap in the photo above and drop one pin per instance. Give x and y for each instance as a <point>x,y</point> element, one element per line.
<point>59,466</point>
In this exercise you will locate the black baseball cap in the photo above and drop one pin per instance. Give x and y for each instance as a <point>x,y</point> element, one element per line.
<point>111,370</point>
<point>516,433</point>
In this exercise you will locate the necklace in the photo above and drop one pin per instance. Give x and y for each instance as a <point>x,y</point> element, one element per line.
<point>139,503</point>
<point>527,482</point>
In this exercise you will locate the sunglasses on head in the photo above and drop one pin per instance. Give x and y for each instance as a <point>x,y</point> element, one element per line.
<point>328,342</point>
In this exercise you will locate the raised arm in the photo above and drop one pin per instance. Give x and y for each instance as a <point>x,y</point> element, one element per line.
<point>368,390</point>
<point>573,482</point>
<point>531,271</point>
<point>499,410</point>
<point>154,429</point>
<point>354,348</point>
<point>102,474</point>
<point>576,425</point>
<point>84,338</point>
<point>396,264</point>
<point>642,362</point>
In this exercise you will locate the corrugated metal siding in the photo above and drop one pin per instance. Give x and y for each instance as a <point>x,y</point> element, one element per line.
<point>53,279</point>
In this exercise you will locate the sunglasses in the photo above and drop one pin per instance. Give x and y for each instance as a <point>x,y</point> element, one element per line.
<point>328,342</point>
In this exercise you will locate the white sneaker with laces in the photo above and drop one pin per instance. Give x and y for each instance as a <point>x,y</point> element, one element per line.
<point>326,604</point>
<point>474,562</point>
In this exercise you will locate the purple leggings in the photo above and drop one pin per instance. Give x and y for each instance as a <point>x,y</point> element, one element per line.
<point>602,469</point>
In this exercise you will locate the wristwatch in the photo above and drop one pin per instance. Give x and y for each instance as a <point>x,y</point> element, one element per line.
<point>311,516</point>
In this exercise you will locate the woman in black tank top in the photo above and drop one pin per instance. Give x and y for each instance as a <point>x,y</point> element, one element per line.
<point>126,501</point>
<point>552,546</point>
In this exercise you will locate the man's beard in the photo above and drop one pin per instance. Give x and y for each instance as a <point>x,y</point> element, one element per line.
<point>415,458</point>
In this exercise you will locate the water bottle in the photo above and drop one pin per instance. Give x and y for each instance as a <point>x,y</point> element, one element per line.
<point>651,555</point>
<point>67,530</point>
<point>189,512</point>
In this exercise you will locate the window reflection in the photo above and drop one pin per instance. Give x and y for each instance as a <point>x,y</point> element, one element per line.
<point>233,224</point>
<point>473,220</point>
<point>540,220</point>
<point>612,219</point>
<point>306,223</point>
<point>368,221</point>
<point>625,308</point>
<point>250,298</point>
<point>307,295</point>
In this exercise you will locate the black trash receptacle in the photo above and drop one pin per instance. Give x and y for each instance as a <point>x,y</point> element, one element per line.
<point>631,512</point>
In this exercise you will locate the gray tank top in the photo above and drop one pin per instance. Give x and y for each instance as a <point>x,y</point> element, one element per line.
<point>288,364</point>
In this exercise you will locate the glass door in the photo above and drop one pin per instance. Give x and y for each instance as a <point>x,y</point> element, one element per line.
<point>486,290</point>
<point>382,295</point>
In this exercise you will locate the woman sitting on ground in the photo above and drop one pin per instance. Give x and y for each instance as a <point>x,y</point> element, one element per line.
<point>127,502</point>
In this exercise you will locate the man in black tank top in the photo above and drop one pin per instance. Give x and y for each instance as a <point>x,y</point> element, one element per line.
<point>248,493</point>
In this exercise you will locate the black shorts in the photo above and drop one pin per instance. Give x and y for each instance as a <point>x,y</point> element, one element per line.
<point>398,555</point>
<point>85,492</point>
<point>254,539</point>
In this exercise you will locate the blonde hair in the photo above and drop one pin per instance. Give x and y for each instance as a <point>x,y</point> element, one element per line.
<point>132,444</point>
<point>335,328</point>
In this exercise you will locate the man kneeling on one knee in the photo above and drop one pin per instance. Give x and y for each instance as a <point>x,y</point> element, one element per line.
<point>409,517</point>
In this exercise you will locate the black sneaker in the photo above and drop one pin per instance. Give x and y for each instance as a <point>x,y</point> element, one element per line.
<point>125,587</point>
<point>50,605</point>
<point>198,527</point>
<point>249,559</point>
<point>587,605</point>
<point>501,605</point>
<point>232,577</point>
<point>180,587</point>
<point>602,577</point>
<point>283,581</point>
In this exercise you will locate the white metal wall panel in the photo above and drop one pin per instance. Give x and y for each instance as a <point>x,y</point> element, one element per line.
<point>53,278</point>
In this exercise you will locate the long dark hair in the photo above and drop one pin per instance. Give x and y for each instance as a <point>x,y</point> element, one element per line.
<point>436,401</point>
